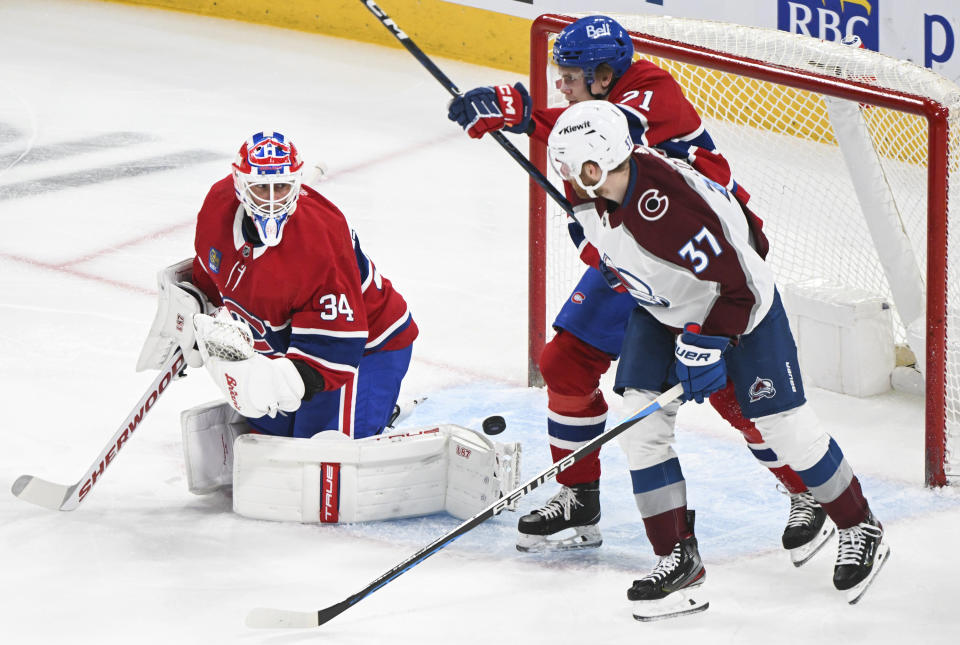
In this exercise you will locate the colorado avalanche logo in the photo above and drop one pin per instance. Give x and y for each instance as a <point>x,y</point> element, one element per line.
<point>762,388</point>
<point>637,288</point>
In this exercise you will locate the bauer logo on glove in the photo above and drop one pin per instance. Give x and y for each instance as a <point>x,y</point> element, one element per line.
<point>700,365</point>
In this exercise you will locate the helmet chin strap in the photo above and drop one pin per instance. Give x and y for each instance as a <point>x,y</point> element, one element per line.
<point>602,96</point>
<point>592,190</point>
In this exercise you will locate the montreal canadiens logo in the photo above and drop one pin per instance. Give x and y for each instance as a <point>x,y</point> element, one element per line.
<point>578,297</point>
<point>762,388</point>
<point>269,152</point>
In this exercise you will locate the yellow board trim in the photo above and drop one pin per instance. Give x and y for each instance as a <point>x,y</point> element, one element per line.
<point>438,28</point>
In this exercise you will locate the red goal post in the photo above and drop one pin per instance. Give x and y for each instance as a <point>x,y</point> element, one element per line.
<point>853,192</point>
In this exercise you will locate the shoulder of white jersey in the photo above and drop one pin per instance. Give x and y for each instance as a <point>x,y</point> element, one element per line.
<point>648,155</point>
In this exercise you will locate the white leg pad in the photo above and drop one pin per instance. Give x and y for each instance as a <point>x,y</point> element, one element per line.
<point>330,478</point>
<point>795,435</point>
<point>649,442</point>
<point>209,432</point>
<point>479,471</point>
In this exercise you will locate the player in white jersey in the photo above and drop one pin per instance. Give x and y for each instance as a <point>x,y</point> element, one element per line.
<point>709,309</point>
<point>595,60</point>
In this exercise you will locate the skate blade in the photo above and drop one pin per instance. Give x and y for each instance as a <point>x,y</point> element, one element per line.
<point>679,603</point>
<point>584,537</point>
<point>802,554</point>
<point>855,593</point>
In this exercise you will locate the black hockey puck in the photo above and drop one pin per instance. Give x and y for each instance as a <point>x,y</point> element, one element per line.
<point>494,425</point>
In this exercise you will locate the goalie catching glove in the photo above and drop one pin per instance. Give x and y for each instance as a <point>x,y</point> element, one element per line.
<point>492,108</point>
<point>700,365</point>
<point>254,385</point>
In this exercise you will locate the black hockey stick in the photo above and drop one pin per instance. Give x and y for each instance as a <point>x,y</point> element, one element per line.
<point>438,74</point>
<point>64,497</point>
<point>267,618</point>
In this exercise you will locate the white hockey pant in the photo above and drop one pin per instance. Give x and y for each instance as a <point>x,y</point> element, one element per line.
<point>795,436</point>
<point>650,441</point>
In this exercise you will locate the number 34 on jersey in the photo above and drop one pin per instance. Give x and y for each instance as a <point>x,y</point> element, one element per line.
<point>334,305</point>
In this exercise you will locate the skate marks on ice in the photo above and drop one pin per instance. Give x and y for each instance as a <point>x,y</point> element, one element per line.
<point>95,175</point>
<point>740,512</point>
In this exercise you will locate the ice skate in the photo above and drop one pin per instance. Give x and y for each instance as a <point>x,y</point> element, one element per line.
<point>673,588</point>
<point>861,554</point>
<point>808,528</point>
<point>568,521</point>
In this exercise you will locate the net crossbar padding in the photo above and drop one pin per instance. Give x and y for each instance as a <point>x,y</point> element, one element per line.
<point>847,155</point>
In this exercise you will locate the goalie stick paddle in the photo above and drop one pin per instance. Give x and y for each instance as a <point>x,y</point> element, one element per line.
<point>271,618</point>
<point>444,80</point>
<point>63,497</point>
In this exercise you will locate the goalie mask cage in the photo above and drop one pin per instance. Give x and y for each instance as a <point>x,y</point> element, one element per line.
<point>848,157</point>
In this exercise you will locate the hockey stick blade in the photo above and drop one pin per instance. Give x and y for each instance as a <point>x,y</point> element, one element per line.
<point>61,497</point>
<point>42,492</point>
<point>279,618</point>
<point>264,618</point>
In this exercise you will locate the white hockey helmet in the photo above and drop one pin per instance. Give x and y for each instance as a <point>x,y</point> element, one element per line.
<point>594,131</point>
<point>266,177</point>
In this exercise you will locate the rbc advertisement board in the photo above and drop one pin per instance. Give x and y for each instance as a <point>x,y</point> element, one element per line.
<point>832,19</point>
<point>925,32</point>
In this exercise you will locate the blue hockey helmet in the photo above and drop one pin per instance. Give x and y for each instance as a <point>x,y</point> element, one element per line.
<point>591,41</point>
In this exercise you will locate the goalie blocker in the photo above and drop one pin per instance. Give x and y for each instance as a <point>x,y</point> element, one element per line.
<point>330,478</point>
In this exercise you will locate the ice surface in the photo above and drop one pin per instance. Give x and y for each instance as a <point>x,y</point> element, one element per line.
<point>114,120</point>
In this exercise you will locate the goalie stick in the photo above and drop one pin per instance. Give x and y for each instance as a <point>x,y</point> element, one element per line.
<point>444,80</point>
<point>269,618</point>
<point>61,497</point>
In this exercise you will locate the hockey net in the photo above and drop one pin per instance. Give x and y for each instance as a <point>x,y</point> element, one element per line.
<point>850,160</point>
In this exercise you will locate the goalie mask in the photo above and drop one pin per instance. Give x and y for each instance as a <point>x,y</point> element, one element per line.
<point>266,178</point>
<point>592,41</point>
<point>594,131</point>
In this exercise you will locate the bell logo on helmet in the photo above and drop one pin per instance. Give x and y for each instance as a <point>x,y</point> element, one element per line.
<point>591,42</point>
<point>598,32</point>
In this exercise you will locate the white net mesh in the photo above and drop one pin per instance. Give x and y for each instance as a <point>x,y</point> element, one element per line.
<point>784,151</point>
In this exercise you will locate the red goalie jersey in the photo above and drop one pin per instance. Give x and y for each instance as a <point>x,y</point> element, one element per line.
<point>316,297</point>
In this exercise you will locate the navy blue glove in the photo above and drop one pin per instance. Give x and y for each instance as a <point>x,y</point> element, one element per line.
<point>700,365</point>
<point>492,108</point>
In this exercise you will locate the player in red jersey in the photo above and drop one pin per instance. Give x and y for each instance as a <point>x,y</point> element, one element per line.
<point>595,59</point>
<point>308,343</point>
<point>331,337</point>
